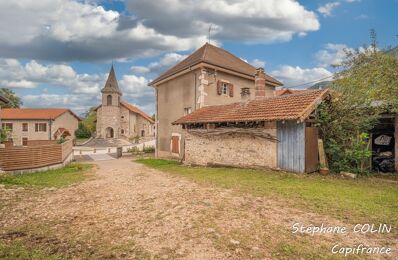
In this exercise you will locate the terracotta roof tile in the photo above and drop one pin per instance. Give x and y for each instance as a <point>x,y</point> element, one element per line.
<point>288,91</point>
<point>286,107</point>
<point>34,113</point>
<point>136,110</point>
<point>213,55</point>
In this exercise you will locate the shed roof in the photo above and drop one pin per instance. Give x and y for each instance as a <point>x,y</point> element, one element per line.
<point>34,113</point>
<point>213,55</point>
<point>287,107</point>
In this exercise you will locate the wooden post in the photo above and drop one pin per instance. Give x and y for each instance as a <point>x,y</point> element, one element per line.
<point>322,155</point>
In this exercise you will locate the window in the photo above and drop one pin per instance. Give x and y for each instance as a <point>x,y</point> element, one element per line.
<point>187,111</point>
<point>7,126</point>
<point>225,88</point>
<point>122,131</point>
<point>109,100</point>
<point>24,127</point>
<point>25,141</point>
<point>40,127</point>
<point>142,133</point>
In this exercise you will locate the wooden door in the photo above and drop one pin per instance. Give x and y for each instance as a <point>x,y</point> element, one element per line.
<point>311,149</point>
<point>175,144</point>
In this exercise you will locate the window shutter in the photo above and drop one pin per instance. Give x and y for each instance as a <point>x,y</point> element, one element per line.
<point>219,87</point>
<point>231,90</point>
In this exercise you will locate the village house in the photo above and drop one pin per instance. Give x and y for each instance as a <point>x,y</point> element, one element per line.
<point>209,76</point>
<point>28,124</point>
<point>275,132</point>
<point>117,119</point>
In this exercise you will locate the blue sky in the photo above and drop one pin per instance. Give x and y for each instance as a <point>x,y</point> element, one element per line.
<point>56,53</point>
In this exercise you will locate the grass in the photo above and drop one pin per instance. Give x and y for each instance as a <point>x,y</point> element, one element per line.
<point>363,200</point>
<point>17,250</point>
<point>73,173</point>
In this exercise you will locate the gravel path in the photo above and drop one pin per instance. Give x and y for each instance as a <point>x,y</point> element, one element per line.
<point>130,211</point>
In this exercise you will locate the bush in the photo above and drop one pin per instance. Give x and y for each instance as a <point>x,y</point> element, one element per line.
<point>149,149</point>
<point>82,131</point>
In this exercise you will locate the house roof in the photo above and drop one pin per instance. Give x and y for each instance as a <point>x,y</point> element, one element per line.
<point>4,100</point>
<point>212,55</point>
<point>137,111</point>
<point>287,107</point>
<point>111,85</point>
<point>288,91</point>
<point>34,113</point>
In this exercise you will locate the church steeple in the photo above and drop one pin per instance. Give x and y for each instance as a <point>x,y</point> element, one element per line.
<point>111,85</point>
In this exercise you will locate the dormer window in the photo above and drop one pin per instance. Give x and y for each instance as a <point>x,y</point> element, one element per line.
<point>109,100</point>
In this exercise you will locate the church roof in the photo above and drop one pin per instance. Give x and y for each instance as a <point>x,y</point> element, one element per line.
<point>136,110</point>
<point>111,85</point>
<point>212,55</point>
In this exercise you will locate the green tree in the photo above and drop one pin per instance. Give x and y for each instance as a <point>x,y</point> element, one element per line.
<point>15,102</point>
<point>365,87</point>
<point>82,131</point>
<point>89,120</point>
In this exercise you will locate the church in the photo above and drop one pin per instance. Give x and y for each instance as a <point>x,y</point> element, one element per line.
<point>117,119</point>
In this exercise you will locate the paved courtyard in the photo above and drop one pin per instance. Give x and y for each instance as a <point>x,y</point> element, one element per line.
<point>129,211</point>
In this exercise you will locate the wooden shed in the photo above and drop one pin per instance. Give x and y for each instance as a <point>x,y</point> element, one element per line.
<point>273,132</point>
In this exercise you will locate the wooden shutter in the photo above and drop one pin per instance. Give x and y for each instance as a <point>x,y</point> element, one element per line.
<point>219,87</point>
<point>231,90</point>
<point>175,143</point>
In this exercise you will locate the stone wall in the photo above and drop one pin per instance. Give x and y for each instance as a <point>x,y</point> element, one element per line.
<point>396,144</point>
<point>236,150</point>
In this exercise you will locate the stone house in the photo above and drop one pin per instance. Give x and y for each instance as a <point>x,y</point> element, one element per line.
<point>275,132</point>
<point>117,118</point>
<point>209,76</point>
<point>28,124</point>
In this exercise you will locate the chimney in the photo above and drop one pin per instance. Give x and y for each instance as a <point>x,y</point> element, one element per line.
<point>262,90</point>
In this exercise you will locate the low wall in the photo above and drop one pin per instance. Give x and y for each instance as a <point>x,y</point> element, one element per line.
<point>19,158</point>
<point>239,150</point>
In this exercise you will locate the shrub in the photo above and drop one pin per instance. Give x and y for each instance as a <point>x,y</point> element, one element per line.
<point>82,131</point>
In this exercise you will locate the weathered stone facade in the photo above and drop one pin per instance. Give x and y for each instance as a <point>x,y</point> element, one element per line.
<point>119,119</point>
<point>396,144</point>
<point>239,150</point>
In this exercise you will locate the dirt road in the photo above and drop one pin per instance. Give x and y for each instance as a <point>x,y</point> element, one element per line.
<point>130,211</point>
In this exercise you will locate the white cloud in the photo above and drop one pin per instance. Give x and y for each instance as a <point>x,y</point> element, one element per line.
<point>78,103</point>
<point>167,61</point>
<point>257,63</point>
<point>64,30</point>
<point>332,54</point>
<point>326,10</point>
<point>13,74</point>
<point>80,91</point>
<point>296,76</point>
<point>244,20</point>
<point>67,30</point>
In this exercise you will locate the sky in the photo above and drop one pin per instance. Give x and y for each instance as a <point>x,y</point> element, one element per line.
<point>57,53</point>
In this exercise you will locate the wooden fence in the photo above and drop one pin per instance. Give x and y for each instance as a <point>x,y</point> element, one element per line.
<point>34,156</point>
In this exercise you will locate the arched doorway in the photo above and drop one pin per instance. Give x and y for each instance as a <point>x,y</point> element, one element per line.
<point>109,132</point>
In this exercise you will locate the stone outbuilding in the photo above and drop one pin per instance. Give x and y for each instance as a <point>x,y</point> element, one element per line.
<point>274,132</point>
